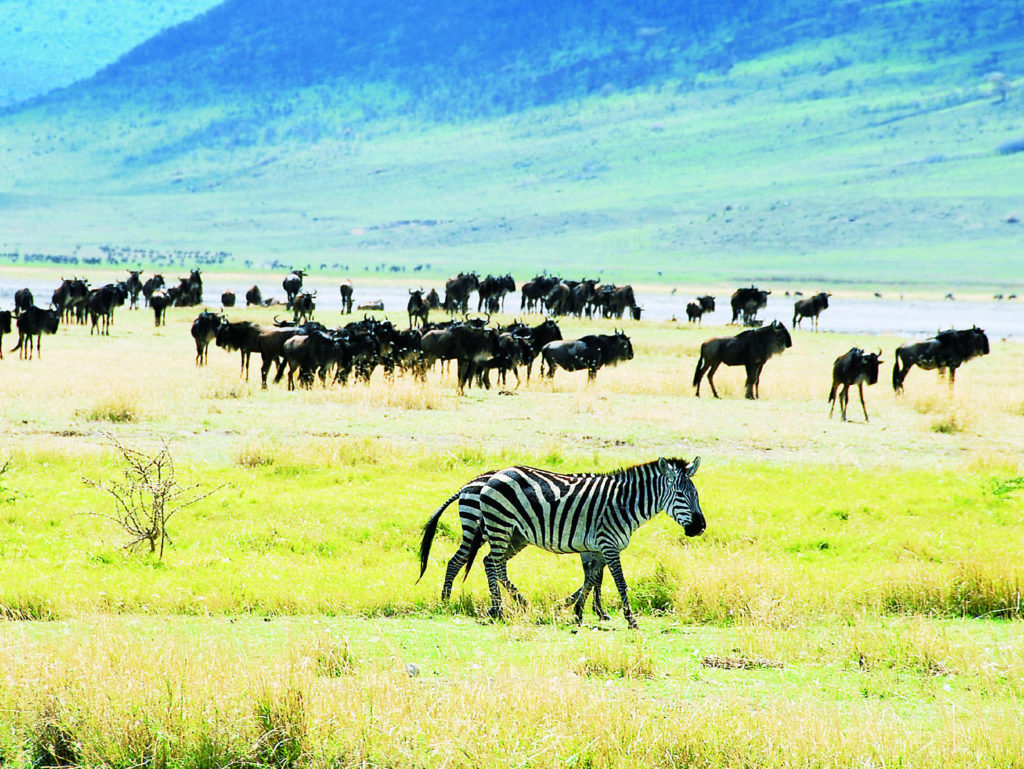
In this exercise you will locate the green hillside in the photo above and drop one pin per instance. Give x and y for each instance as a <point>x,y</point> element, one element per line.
<point>854,144</point>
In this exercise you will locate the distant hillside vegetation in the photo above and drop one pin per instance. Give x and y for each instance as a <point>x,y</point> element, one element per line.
<point>451,59</point>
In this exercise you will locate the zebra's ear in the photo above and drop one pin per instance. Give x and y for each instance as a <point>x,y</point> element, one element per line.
<point>692,469</point>
<point>663,466</point>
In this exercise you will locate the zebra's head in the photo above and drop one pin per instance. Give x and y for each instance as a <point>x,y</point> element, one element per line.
<point>681,501</point>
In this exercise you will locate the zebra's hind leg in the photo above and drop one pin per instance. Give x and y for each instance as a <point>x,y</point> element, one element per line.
<point>593,572</point>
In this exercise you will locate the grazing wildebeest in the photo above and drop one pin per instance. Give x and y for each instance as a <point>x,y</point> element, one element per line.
<point>810,308</point>
<point>746,302</point>
<point>946,350</point>
<point>472,528</point>
<point>23,299</point>
<point>134,288</point>
<point>34,322</point>
<point>254,297</point>
<point>101,304</point>
<point>227,299</point>
<point>751,348</point>
<point>557,301</point>
<point>468,345</point>
<point>5,328</point>
<point>204,331</point>
<point>292,284</point>
<point>303,305</point>
<point>152,284</point>
<point>308,353</point>
<point>694,310</point>
<point>622,299</point>
<point>190,290</point>
<point>581,513</point>
<point>346,297</point>
<point>159,301</point>
<point>856,367</point>
<point>418,309</point>
<point>590,352</point>
<point>433,300</point>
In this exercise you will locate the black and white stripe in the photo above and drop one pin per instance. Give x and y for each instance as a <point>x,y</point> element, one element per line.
<point>572,513</point>
<point>472,537</point>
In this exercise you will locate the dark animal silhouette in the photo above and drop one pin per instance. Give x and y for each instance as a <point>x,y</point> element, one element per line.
<point>204,331</point>
<point>151,285</point>
<point>947,350</point>
<point>101,304</point>
<point>292,284</point>
<point>5,328</point>
<point>134,287</point>
<point>346,297</point>
<point>746,302</point>
<point>590,352</point>
<point>23,299</point>
<point>751,349</point>
<point>694,310</point>
<point>159,301</point>
<point>34,322</point>
<point>810,308</point>
<point>254,297</point>
<point>855,367</point>
<point>227,299</point>
<point>418,309</point>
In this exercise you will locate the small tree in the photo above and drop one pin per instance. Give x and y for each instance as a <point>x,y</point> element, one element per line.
<point>148,497</point>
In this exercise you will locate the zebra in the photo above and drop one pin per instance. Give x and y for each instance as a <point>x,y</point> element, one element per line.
<point>472,538</point>
<point>580,514</point>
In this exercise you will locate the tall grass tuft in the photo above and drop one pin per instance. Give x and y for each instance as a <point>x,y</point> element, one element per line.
<point>332,657</point>
<point>117,408</point>
<point>613,658</point>
<point>281,727</point>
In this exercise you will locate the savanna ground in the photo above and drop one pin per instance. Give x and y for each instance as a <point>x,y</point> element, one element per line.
<point>855,600</point>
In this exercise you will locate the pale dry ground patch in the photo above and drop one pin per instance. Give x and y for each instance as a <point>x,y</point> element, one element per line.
<point>141,383</point>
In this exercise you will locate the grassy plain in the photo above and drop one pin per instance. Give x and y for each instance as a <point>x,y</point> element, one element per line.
<point>854,602</point>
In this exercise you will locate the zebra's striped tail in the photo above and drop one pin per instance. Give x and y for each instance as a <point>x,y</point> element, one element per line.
<point>429,530</point>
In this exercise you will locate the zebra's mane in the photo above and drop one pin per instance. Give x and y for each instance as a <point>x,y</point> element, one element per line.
<point>680,464</point>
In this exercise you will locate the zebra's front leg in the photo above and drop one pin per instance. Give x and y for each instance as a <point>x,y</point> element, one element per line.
<point>611,558</point>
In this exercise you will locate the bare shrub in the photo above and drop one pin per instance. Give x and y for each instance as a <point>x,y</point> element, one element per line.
<point>148,496</point>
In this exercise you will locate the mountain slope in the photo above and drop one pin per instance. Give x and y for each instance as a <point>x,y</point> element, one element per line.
<point>47,44</point>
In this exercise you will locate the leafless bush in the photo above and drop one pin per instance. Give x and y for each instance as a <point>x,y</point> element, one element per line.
<point>148,496</point>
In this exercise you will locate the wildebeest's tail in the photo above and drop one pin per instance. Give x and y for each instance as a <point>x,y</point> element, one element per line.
<point>474,546</point>
<point>429,530</point>
<point>21,338</point>
<point>699,371</point>
<point>835,389</point>
<point>897,378</point>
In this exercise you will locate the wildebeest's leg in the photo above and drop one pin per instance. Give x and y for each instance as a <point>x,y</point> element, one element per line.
<point>711,372</point>
<point>860,388</point>
<point>611,557</point>
<point>753,374</point>
<point>844,400</point>
<point>952,376</point>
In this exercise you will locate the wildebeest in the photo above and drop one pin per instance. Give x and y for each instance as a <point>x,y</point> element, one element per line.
<point>204,331</point>
<point>34,322</point>
<point>240,335</point>
<point>5,328</point>
<point>189,290</point>
<point>946,350</point>
<point>151,285</point>
<point>694,310</point>
<point>254,297</point>
<point>622,299</point>
<point>457,291</point>
<point>746,302</point>
<point>292,284</point>
<point>590,352</point>
<point>493,290</point>
<point>303,305</point>
<point>418,309</point>
<point>134,288</point>
<point>810,308</point>
<point>23,299</point>
<point>346,297</point>
<point>227,299</point>
<point>751,349</point>
<point>101,304</point>
<point>468,345</point>
<point>855,367</point>
<point>159,301</point>
<point>535,290</point>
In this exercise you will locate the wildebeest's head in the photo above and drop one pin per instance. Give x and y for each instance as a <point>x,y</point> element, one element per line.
<point>780,335</point>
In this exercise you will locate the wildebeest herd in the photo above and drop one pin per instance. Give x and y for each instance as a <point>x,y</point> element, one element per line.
<point>306,350</point>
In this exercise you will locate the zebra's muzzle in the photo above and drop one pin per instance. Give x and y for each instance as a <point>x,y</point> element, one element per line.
<point>695,527</point>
